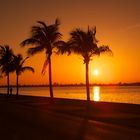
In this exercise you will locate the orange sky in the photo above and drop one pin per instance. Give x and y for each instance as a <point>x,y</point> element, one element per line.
<point>118,25</point>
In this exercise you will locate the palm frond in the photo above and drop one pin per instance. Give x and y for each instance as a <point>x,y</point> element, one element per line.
<point>39,33</point>
<point>43,24</point>
<point>83,43</point>
<point>30,41</point>
<point>105,49</point>
<point>55,37</point>
<point>23,61</point>
<point>43,37</point>
<point>34,50</point>
<point>18,63</point>
<point>27,68</point>
<point>18,57</point>
<point>6,59</point>
<point>7,68</point>
<point>57,21</point>
<point>62,47</point>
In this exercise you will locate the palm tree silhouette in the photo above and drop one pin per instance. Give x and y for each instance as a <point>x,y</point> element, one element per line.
<point>44,38</point>
<point>19,68</point>
<point>84,44</point>
<point>6,62</point>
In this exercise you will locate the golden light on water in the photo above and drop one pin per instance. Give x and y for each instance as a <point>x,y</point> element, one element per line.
<point>96,93</point>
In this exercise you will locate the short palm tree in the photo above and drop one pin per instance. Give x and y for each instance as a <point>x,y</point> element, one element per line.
<point>19,68</point>
<point>84,44</point>
<point>44,38</point>
<point>6,59</point>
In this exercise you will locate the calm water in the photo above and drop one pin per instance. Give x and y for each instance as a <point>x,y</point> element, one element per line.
<point>123,94</point>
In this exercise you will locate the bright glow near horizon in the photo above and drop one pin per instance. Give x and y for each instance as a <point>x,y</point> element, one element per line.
<point>96,72</point>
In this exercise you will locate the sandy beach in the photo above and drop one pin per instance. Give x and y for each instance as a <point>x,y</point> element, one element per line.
<point>64,119</point>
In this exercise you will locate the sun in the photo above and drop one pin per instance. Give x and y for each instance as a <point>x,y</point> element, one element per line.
<point>96,72</point>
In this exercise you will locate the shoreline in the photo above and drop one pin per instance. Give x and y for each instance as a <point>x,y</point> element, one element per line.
<point>78,85</point>
<point>59,117</point>
<point>68,98</point>
<point>106,94</point>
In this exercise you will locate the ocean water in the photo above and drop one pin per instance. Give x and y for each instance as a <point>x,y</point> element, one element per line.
<point>121,94</point>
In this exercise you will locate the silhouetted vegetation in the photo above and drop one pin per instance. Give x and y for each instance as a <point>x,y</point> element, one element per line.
<point>83,43</point>
<point>44,38</point>
<point>47,38</point>
<point>6,62</point>
<point>12,63</point>
<point>19,67</point>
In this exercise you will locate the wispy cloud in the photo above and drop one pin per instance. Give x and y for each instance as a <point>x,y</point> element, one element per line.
<point>129,28</point>
<point>135,26</point>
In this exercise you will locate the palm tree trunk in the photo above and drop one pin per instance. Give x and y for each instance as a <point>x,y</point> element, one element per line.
<point>87,82</point>
<point>17,86</point>
<point>8,84</point>
<point>50,77</point>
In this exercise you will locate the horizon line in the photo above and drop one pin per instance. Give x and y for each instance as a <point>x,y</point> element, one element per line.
<point>78,84</point>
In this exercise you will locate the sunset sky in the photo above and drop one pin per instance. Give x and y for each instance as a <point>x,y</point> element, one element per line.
<point>118,25</point>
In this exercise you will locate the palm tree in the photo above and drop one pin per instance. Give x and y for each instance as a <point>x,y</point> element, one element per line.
<point>6,59</point>
<point>44,38</point>
<point>84,44</point>
<point>19,67</point>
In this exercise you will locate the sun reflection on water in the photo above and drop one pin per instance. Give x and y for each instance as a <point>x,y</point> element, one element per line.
<point>96,93</point>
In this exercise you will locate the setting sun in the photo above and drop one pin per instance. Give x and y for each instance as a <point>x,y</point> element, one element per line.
<point>96,72</point>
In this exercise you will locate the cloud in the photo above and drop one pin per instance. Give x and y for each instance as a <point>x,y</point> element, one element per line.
<point>129,28</point>
<point>135,26</point>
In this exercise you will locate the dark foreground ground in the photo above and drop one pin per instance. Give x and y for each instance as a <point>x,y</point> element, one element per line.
<point>37,118</point>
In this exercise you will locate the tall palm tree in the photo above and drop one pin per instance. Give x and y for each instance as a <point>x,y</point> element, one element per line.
<point>19,68</point>
<point>84,44</point>
<point>6,59</point>
<point>44,38</point>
